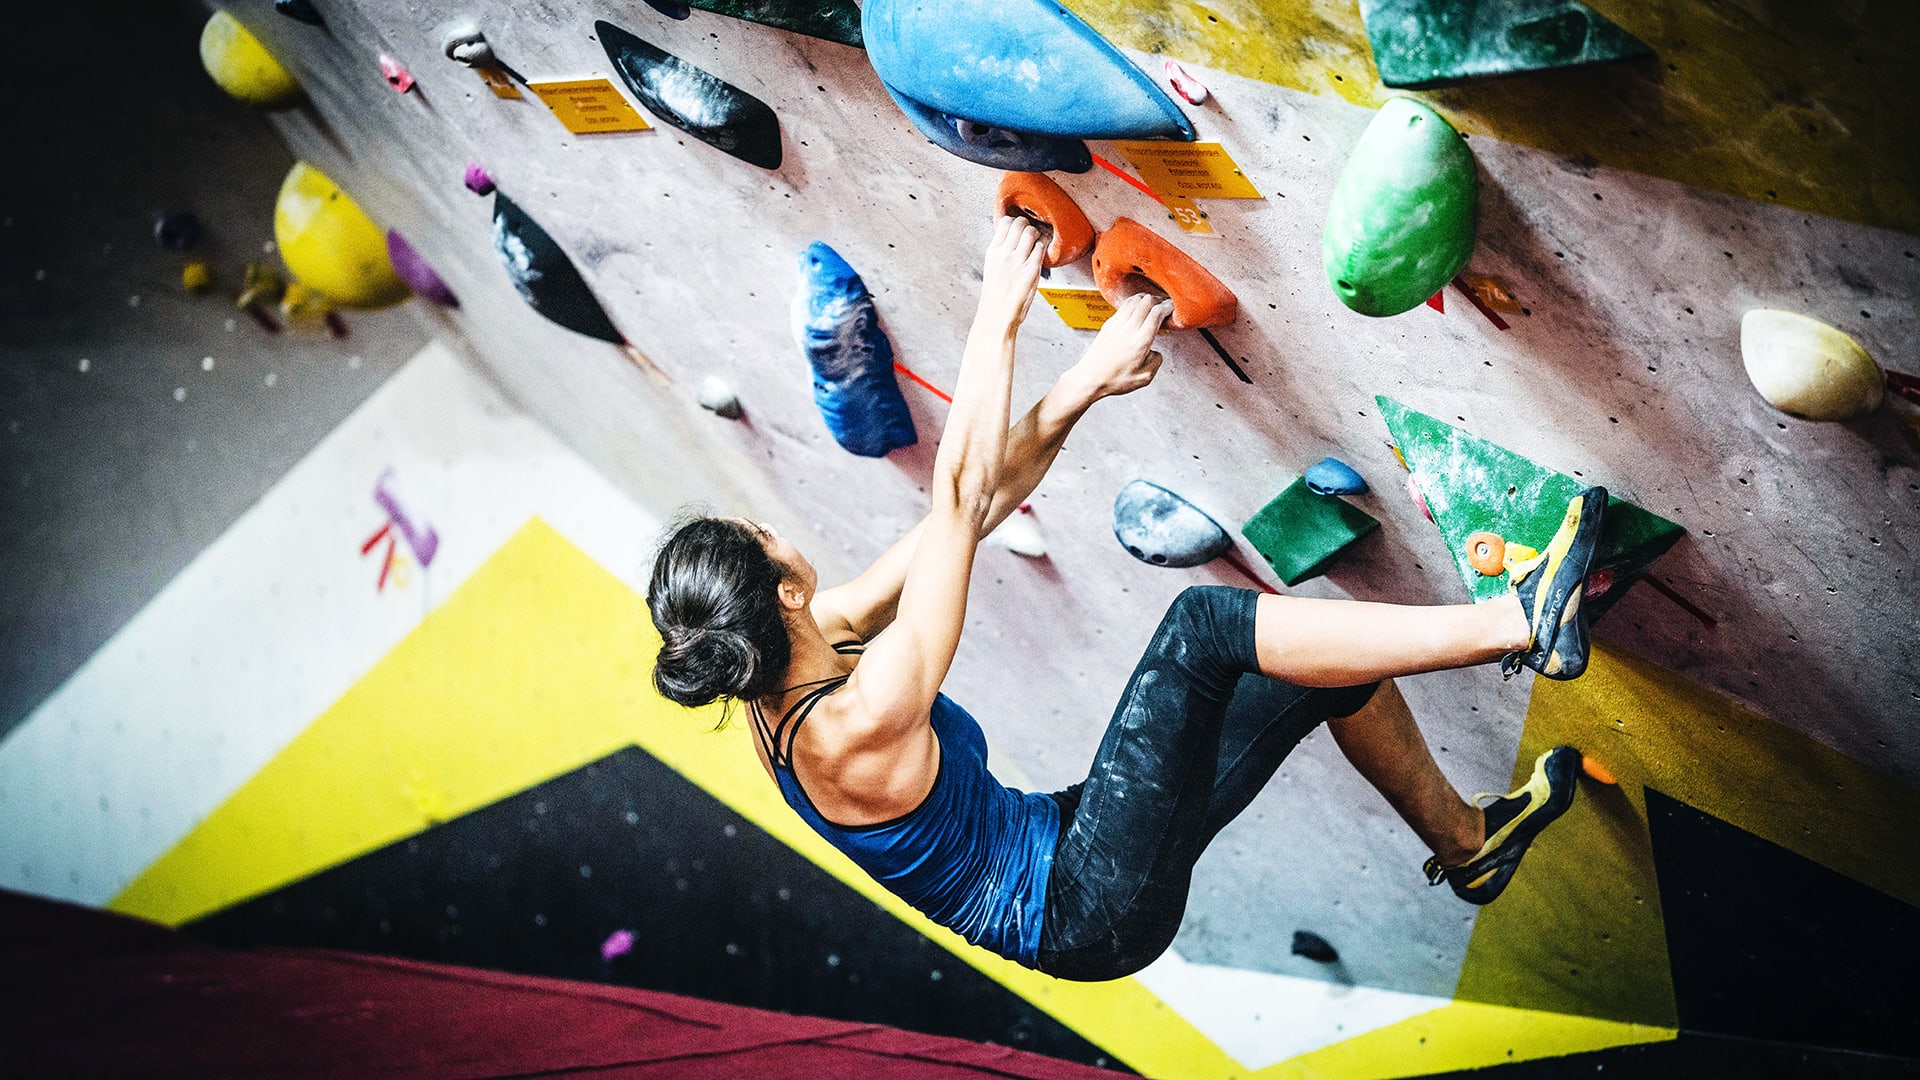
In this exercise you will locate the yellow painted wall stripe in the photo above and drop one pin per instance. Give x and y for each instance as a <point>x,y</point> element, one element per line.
<point>1651,727</point>
<point>1799,104</point>
<point>538,665</point>
<point>1463,1035</point>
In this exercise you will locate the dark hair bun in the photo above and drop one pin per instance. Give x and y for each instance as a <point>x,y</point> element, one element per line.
<point>714,599</point>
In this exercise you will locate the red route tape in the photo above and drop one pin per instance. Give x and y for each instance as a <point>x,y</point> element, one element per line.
<point>911,374</point>
<point>1666,590</point>
<point>1498,322</point>
<point>1124,175</point>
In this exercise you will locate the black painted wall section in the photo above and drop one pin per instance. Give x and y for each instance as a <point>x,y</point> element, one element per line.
<point>718,908</point>
<point>1766,944</point>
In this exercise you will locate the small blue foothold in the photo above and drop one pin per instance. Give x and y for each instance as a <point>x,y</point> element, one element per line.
<point>853,382</point>
<point>1161,528</point>
<point>1331,476</point>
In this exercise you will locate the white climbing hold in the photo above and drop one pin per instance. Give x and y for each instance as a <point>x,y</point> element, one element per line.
<point>1807,369</point>
<point>716,395</point>
<point>1020,534</point>
<point>1185,83</point>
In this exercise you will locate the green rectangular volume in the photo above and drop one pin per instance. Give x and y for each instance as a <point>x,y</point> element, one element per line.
<point>1472,485</point>
<point>1300,533</point>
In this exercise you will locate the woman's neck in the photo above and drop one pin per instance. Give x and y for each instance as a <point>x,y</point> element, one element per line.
<point>813,658</point>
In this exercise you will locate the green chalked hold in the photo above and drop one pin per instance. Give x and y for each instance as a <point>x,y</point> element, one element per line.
<point>1401,223</point>
<point>1300,532</point>
<point>1421,44</point>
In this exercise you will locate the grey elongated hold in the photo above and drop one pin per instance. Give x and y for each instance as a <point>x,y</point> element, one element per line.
<point>465,43</point>
<point>1158,527</point>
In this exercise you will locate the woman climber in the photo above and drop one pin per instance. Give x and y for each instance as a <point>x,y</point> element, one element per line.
<point>843,686</point>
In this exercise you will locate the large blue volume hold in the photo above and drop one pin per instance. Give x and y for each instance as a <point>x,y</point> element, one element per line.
<point>996,148</point>
<point>1024,65</point>
<point>853,383</point>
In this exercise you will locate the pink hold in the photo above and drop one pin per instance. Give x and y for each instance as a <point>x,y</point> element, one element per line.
<point>396,76</point>
<point>1598,583</point>
<point>477,179</point>
<point>1186,83</point>
<point>1419,499</point>
<point>618,943</point>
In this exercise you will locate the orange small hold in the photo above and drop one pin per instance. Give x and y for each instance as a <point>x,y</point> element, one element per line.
<point>1037,198</point>
<point>1487,553</point>
<point>1597,771</point>
<point>1131,258</point>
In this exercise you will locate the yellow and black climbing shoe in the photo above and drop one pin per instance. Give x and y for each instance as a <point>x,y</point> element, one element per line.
<point>1512,823</point>
<point>1550,585</point>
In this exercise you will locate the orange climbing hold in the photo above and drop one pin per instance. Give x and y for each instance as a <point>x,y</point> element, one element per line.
<point>1131,258</point>
<point>1597,771</point>
<point>1487,553</point>
<point>1036,197</point>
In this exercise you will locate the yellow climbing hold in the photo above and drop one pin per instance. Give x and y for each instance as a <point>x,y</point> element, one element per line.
<point>243,67</point>
<point>1807,369</point>
<point>196,277</point>
<point>330,245</point>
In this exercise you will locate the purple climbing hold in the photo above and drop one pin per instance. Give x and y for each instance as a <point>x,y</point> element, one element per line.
<point>619,943</point>
<point>1331,476</point>
<point>477,180</point>
<point>177,230</point>
<point>409,267</point>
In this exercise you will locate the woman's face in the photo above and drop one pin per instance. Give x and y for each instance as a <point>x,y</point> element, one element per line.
<point>785,553</point>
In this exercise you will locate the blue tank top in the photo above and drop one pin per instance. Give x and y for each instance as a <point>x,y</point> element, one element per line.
<point>973,857</point>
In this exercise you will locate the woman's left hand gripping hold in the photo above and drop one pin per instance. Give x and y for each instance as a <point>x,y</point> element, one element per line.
<point>1009,274</point>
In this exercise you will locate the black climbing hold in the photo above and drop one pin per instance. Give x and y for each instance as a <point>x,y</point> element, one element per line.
<point>829,20</point>
<point>1162,529</point>
<point>706,107</point>
<point>300,11</point>
<point>1314,947</point>
<point>994,147</point>
<point>543,275</point>
<point>177,230</point>
<point>670,9</point>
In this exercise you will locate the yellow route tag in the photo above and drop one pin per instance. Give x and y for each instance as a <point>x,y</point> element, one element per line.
<point>499,82</point>
<point>589,106</point>
<point>1199,170</point>
<point>1082,309</point>
<point>1187,214</point>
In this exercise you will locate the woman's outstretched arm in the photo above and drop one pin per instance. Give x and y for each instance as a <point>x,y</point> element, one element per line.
<point>896,683</point>
<point>1119,361</point>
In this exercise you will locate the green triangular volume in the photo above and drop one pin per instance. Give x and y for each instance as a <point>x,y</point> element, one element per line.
<point>1419,44</point>
<point>1472,485</point>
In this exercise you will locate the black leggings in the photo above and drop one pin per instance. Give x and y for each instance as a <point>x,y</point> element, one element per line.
<point>1195,737</point>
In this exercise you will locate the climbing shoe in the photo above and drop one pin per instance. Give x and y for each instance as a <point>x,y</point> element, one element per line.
<point>1512,823</point>
<point>1550,585</point>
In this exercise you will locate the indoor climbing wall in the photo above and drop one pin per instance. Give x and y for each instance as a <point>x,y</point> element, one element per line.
<point>490,779</point>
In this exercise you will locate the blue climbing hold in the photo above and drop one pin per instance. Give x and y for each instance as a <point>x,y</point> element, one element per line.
<point>1158,527</point>
<point>996,148</point>
<point>1023,65</point>
<point>543,275</point>
<point>1331,476</point>
<point>853,384</point>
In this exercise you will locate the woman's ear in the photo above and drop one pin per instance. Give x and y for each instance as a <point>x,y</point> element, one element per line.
<point>793,594</point>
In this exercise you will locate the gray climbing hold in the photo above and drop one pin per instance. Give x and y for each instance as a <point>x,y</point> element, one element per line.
<point>1158,527</point>
<point>1331,476</point>
<point>465,43</point>
<point>1021,535</point>
<point>716,396</point>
